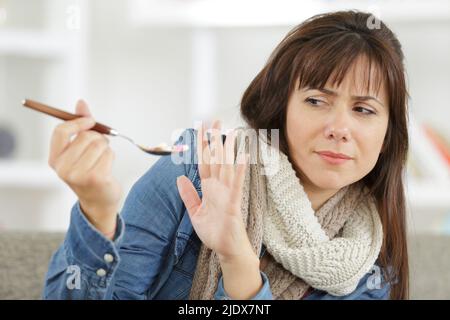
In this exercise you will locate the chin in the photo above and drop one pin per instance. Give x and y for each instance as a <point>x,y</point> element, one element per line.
<point>329,181</point>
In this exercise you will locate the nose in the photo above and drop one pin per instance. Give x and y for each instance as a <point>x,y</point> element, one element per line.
<point>338,128</point>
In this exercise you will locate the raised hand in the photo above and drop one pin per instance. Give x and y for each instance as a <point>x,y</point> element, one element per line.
<point>217,217</point>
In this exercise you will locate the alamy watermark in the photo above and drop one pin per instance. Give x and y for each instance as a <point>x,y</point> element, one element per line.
<point>258,145</point>
<point>74,279</point>
<point>374,22</point>
<point>73,20</point>
<point>374,280</point>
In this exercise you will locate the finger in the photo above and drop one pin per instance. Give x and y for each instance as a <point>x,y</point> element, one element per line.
<point>62,134</point>
<point>189,195</point>
<point>82,109</point>
<point>66,164</point>
<point>104,164</point>
<point>227,169</point>
<point>216,149</point>
<point>91,155</point>
<point>78,146</point>
<point>239,177</point>
<point>202,153</point>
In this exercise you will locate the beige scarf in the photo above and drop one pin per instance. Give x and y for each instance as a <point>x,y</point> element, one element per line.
<point>330,249</point>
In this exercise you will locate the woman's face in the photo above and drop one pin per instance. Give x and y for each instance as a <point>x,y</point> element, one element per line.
<point>338,122</point>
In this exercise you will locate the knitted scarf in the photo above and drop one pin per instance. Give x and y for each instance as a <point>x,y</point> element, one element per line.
<point>330,249</point>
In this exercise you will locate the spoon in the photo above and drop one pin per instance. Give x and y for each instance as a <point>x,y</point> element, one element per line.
<point>160,150</point>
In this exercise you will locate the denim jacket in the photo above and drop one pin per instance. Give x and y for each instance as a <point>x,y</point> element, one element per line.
<point>154,252</point>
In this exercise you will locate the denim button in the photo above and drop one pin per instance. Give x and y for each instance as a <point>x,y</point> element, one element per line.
<point>101,272</point>
<point>108,258</point>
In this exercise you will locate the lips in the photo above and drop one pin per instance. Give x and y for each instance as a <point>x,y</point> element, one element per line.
<point>333,158</point>
<point>334,155</point>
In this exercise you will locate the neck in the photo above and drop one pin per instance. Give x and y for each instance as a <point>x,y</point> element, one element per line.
<point>317,196</point>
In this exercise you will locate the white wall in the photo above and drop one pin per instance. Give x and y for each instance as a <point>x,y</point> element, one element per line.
<point>138,82</point>
<point>427,50</point>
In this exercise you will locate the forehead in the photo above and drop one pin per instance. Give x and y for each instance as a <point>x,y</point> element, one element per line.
<point>363,78</point>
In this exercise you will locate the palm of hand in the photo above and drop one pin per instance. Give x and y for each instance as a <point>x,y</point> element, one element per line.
<point>218,221</point>
<point>216,218</point>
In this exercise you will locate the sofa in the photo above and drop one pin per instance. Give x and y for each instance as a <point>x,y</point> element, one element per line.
<point>24,258</point>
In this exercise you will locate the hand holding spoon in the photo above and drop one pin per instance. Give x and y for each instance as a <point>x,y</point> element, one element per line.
<point>162,149</point>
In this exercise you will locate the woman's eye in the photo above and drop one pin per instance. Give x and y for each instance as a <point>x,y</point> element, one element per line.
<point>365,110</point>
<point>313,101</point>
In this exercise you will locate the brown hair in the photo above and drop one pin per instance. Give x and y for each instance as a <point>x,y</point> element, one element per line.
<point>327,45</point>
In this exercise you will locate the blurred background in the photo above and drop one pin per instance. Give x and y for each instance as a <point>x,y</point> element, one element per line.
<point>152,68</point>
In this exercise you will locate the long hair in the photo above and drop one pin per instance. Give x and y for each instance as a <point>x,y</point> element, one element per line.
<point>327,45</point>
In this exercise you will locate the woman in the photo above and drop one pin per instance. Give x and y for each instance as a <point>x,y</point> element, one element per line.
<point>324,220</point>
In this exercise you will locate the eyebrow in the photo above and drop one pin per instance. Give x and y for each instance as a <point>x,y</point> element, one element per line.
<point>332,93</point>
